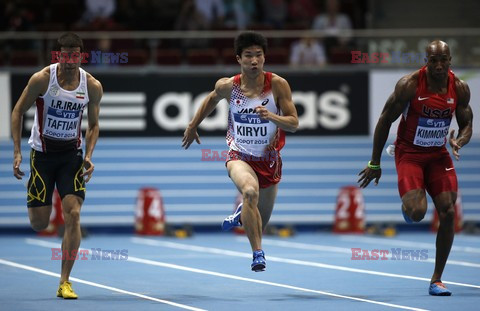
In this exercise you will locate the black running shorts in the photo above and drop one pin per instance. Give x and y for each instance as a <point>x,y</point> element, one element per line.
<point>60,169</point>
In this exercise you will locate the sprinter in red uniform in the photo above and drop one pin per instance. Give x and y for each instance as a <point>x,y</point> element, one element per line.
<point>261,108</point>
<point>426,99</point>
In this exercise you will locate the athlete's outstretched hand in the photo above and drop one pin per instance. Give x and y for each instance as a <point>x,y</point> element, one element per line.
<point>189,136</point>
<point>17,160</point>
<point>89,168</point>
<point>367,175</point>
<point>454,145</point>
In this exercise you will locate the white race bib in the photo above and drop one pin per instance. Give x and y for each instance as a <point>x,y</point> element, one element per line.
<point>431,132</point>
<point>251,130</point>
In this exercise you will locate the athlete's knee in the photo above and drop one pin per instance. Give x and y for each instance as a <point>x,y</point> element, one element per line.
<point>416,213</point>
<point>250,194</point>
<point>446,215</point>
<point>72,216</point>
<point>445,205</point>
<point>38,224</point>
<point>415,204</point>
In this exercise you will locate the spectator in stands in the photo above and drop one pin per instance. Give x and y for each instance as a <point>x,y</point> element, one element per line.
<point>336,25</point>
<point>165,14</point>
<point>124,13</point>
<point>139,13</point>
<point>275,13</point>
<point>301,13</point>
<point>98,14</point>
<point>17,18</point>
<point>213,11</point>
<point>190,18</point>
<point>307,51</point>
<point>239,14</point>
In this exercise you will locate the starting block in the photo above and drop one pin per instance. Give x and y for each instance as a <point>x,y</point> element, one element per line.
<point>382,230</point>
<point>280,231</point>
<point>180,232</point>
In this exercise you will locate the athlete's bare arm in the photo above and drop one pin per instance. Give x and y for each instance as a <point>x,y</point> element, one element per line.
<point>464,116</point>
<point>223,89</point>
<point>95,93</point>
<point>36,86</point>
<point>288,121</point>
<point>395,105</point>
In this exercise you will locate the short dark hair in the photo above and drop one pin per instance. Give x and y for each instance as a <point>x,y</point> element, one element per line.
<point>247,39</point>
<point>69,40</point>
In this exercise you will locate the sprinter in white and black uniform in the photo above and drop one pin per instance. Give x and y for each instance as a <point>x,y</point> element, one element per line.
<point>61,92</point>
<point>261,109</point>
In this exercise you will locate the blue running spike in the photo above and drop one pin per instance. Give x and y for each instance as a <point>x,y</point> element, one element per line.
<point>408,220</point>
<point>259,263</point>
<point>438,289</point>
<point>233,220</point>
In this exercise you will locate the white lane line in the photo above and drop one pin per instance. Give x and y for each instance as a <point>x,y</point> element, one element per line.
<point>285,260</point>
<point>313,247</point>
<point>344,250</point>
<point>465,249</point>
<point>113,289</point>
<point>228,276</point>
<point>457,263</point>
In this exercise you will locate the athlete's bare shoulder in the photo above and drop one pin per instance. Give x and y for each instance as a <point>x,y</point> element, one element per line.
<point>39,80</point>
<point>463,91</point>
<point>276,76</point>
<point>410,80</point>
<point>407,86</point>
<point>95,89</point>
<point>278,81</point>
<point>92,82</point>
<point>43,74</point>
<point>223,87</point>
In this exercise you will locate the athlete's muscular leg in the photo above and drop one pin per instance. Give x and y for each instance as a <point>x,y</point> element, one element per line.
<point>39,217</point>
<point>266,202</point>
<point>246,182</point>
<point>414,203</point>
<point>71,205</point>
<point>444,203</point>
<point>39,191</point>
